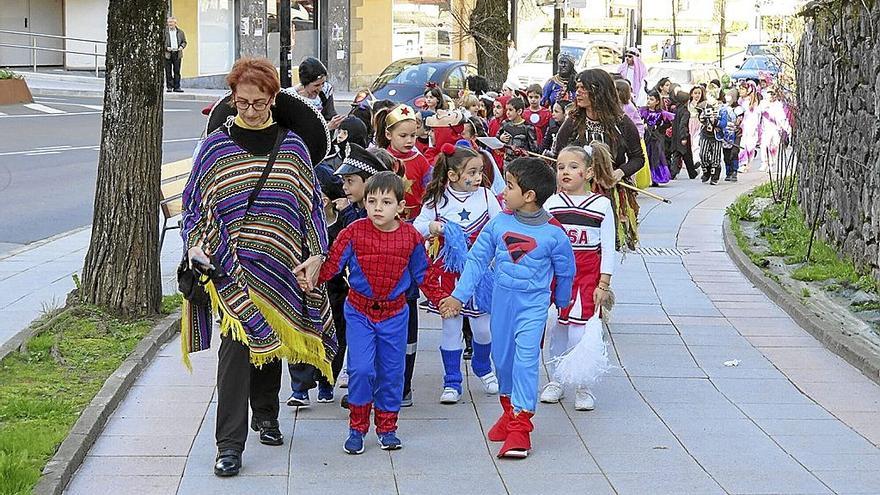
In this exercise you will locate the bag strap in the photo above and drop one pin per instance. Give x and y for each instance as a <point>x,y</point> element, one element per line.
<point>282,134</point>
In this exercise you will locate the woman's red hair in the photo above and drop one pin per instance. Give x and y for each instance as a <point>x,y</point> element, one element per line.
<point>258,71</point>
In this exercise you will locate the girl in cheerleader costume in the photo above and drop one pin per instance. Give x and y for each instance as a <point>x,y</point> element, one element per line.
<point>456,208</point>
<point>577,354</point>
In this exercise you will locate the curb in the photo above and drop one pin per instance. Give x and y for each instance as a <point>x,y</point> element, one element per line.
<point>88,427</point>
<point>91,93</point>
<point>42,242</point>
<point>847,344</point>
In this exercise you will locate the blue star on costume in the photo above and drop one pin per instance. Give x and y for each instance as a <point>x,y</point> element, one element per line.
<point>464,214</point>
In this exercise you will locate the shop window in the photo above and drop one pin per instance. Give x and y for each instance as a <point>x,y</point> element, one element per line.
<point>216,36</point>
<point>303,30</point>
<point>422,28</point>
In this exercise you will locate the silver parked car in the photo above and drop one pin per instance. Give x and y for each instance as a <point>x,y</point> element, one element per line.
<point>537,66</point>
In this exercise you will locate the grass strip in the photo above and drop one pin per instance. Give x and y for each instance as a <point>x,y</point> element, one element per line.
<point>44,388</point>
<point>787,237</point>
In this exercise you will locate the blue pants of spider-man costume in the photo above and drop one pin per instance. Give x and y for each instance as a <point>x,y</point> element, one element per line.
<point>376,360</point>
<point>517,324</point>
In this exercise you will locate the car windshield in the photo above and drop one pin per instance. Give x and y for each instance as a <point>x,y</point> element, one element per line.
<point>408,72</point>
<point>544,54</point>
<point>756,63</point>
<point>680,76</point>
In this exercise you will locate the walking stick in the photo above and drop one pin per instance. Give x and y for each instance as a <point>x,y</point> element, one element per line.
<point>619,183</point>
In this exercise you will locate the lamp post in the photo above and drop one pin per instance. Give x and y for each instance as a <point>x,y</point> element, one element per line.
<point>284,34</point>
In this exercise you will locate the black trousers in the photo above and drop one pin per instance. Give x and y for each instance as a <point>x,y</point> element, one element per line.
<point>240,382</point>
<point>304,377</point>
<point>731,161</point>
<point>412,344</point>
<point>687,157</point>
<point>172,71</point>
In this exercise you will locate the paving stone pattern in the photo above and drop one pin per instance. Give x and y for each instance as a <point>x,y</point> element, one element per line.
<point>671,418</point>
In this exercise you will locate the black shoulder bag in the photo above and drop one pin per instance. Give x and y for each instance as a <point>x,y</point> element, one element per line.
<point>191,280</point>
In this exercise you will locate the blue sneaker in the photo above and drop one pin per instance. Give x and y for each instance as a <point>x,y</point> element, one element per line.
<point>298,399</point>
<point>389,441</point>
<point>355,443</point>
<point>325,393</point>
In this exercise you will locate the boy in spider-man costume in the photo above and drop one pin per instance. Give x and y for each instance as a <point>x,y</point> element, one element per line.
<point>384,257</point>
<point>530,249</point>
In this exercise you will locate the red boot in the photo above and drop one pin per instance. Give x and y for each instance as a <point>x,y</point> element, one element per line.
<point>518,442</point>
<point>498,433</point>
<point>359,417</point>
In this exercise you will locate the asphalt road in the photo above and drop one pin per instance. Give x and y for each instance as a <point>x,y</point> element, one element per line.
<point>49,160</point>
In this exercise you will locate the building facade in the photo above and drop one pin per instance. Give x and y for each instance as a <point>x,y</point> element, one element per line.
<point>356,39</point>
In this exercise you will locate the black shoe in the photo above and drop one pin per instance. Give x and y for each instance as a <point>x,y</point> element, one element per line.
<point>270,434</point>
<point>344,402</point>
<point>468,352</point>
<point>228,463</point>
<point>169,90</point>
<point>733,178</point>
<point>178,90</point>
<point>705,179</point>
<point>714,182</point>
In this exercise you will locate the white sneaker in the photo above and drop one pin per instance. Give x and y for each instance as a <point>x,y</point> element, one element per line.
<point>342,380</point>
<point>449,396</point>
<point>584,400</point>
<point>552,393</point>
<point>490,383</point>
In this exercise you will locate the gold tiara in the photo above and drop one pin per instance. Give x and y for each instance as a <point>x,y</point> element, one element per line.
<point>399,114</point>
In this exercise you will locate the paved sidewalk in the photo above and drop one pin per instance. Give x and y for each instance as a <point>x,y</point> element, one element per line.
<point>791,418</point>
<point>39,276</point>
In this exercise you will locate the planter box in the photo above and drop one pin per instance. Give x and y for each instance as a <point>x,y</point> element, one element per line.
<point>14,91</point>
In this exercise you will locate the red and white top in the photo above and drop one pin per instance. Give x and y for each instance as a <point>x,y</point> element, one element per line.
<point>588,220</point>
<point>472,211</point>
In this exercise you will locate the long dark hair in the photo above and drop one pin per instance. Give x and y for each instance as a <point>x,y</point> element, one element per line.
<point>436,93</point>
<point>605,102</point>
<point>454,161</point>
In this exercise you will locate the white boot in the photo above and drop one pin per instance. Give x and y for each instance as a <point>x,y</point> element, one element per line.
<point>552,393</point>
<point>584,400</point>
<point>490,383</point>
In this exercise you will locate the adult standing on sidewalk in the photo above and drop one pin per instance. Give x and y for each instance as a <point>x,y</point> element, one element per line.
<point>175,42</point>
<point>266,245</point>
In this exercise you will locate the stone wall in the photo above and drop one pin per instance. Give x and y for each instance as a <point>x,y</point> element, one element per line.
<point>841,40</point>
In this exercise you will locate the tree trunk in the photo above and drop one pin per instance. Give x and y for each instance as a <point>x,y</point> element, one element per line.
<point>490,29</point>
<point>121,272</point>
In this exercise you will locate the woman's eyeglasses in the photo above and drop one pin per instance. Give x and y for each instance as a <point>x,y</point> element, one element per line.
<point>258,105</point>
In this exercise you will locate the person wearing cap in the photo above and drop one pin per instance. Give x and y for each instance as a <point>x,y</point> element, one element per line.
<point>633,70</point>
<point>304,376</point>
<point>254,176</point>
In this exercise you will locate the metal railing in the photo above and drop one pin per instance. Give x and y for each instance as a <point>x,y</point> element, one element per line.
<point>34,48</point>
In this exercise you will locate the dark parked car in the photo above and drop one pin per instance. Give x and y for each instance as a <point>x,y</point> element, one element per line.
<point>405,79</point>
<point>753,65</point>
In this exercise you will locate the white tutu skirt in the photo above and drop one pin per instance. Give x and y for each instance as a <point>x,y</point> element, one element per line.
<point>583,364</point>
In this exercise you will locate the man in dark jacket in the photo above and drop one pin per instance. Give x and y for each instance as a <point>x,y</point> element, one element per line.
<point>175,42</point>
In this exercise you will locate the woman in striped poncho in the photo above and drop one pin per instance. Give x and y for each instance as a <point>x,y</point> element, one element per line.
<point>264,313</point>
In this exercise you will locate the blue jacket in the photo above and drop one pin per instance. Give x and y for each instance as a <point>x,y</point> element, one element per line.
<point>526,258</point>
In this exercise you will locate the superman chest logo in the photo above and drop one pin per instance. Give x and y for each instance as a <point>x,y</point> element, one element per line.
<point>518,245</point>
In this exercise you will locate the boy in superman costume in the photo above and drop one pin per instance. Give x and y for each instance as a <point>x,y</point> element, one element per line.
<point>384,256</point>
<point>529,249</point>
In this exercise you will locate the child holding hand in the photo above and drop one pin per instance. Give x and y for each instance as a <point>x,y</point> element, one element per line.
<point>529,249</point>
<point>588,220</point>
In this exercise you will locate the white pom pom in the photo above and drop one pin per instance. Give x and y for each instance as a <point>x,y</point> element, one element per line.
<point>583,364</point>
